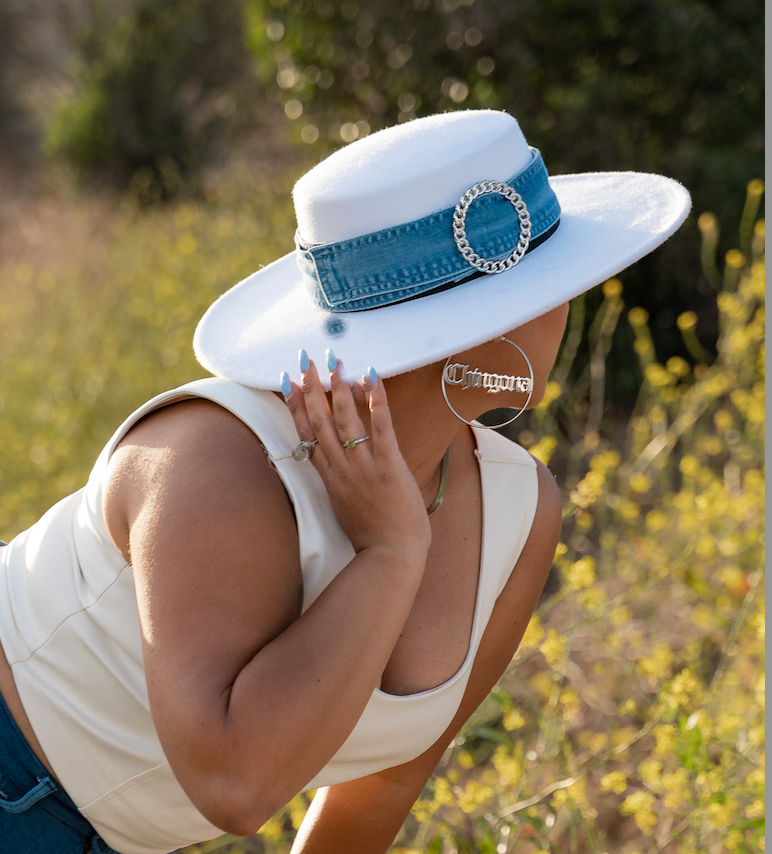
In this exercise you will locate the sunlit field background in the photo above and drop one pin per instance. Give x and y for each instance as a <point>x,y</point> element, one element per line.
<point>631,720</point>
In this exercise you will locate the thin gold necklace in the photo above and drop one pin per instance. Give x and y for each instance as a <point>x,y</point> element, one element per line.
<point>440,497</point>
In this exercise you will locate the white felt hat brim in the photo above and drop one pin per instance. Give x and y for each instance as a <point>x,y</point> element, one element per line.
<point>608,221</point>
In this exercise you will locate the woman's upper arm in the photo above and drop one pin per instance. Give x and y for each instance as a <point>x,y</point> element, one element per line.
<point>250,699</point>
<point>211,537</point>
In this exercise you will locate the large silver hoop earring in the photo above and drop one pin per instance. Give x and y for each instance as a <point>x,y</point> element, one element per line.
<point>456,374</point>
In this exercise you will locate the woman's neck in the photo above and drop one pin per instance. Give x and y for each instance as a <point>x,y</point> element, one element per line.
<point>424,426</point>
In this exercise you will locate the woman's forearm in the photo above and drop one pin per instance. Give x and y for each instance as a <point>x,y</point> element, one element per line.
<point>296,701</point>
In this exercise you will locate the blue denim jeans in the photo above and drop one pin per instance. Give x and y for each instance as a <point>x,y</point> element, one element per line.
<point>36,815</point>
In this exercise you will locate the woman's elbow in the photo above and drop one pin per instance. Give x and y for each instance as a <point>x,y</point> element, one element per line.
<point>235,808</point>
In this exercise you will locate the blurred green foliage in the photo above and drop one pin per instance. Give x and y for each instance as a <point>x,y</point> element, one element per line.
<point>154,87</point>
<point>674,86</point>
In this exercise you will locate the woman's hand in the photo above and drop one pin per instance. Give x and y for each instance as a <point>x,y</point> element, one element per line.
<point>373,493</point>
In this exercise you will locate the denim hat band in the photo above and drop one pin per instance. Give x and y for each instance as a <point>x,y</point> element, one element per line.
<point>419,257</point>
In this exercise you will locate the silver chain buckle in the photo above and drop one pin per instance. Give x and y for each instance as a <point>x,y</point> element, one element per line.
<point>459,226</point>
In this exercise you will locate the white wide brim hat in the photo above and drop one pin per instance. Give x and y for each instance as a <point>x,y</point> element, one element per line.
<point>384,204</point>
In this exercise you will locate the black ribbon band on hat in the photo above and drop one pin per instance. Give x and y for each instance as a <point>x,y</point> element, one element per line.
<point>478,274</point>
<point>421,257</point>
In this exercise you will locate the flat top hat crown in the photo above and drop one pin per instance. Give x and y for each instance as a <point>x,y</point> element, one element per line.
<point>389,272</point>
<point>405,172</point>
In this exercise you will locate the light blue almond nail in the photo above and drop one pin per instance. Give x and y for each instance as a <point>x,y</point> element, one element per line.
<point>304,361</point>
<point>372,377</point>
<point>332,361</point>
<point>286,385</point>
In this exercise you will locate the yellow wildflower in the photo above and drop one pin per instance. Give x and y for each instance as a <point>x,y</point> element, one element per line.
<point>683,688</point>
<point>273,829</point>
<point>643,346</point>
<point>543,684</point>
<point>628,510</point>
<point>689,465</point>
<point>676,786</point>
<point>509,767</point>
<point>658,663</point>
<point>553,648</point>
<point>734,578</point>
<point>727,723</point>
<point>639,482</point>
<point>593,741</point>
<point>552,391</point>
<point>666,737</point>
<point>687,321</point>
<point>513,719</point>
<point>443,793</point>
<point>656,520</point>
<point>719,815</point>
<point>638,316</point>
<point>533,634</point>
<point>569,704</point>
<point>465,759</point>
<point>612,288</point>
<point>473,796</point>
<point>297,810</point>
<point>544,449</point>
<point>703,616</point>
<point>677,366</point>
<point>620,614</point>
<point>581,573</point>
<point>723,420</point>
<point>592,599</point>
<point>614,781</point>
<point>657,375</point>
<point>650,770</point>
<point>187,244</point>
<point>735,259</point>
<point>639,805</point>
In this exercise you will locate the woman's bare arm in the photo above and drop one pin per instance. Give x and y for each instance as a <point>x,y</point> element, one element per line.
<point>363,816</point>
<point>249,700</point>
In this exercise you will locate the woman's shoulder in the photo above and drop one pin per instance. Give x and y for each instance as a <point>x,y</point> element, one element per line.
<point>186,460</point>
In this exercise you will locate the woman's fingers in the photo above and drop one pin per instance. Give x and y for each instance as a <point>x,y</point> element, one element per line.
<point>338,429</point>
<point>348,423</point>
<point>371,489</point>
<point>381,428</point>
<point>296,396</point>
<point>331,428</point>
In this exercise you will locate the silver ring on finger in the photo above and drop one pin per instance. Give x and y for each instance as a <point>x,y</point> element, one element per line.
<point>350,443</point>
<point>304,450</point>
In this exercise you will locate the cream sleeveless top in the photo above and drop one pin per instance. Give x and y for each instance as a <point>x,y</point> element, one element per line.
<point>70,629</point>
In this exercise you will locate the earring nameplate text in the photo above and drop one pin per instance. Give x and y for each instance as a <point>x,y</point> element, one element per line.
<point>461,375</point>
